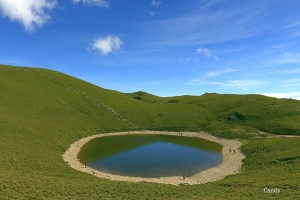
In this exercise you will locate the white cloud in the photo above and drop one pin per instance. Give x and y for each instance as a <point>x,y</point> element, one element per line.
<point>100,3</point>
<point>292,95</point>
<point>284,45</point>
<point>30,13</point>
<point>236,84</point>
<point>107,44</point>
<point>236,20</point>
<point>243,84</point>
<point>187,60</point>
<point>151,13</point>
<point>207,53</point>
<point>155,3</point>
<point>288,71</point>
<point>284,58</point>
<point>204,51</point>
<point>292,24</point>
<point>217,73</point>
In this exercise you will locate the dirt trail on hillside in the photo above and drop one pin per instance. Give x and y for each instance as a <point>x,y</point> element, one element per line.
<point>101,104</point>
<point>231,164</point>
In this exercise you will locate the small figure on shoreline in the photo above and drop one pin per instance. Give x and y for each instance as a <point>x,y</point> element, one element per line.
<point>183,176</point>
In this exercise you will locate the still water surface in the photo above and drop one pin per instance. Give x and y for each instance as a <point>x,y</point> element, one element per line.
<point>154,156</point>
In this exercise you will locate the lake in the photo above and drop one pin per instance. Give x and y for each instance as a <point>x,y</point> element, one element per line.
<point>150,156</point>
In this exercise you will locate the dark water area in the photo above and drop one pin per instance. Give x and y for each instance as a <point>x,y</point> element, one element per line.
<point>151,156</point>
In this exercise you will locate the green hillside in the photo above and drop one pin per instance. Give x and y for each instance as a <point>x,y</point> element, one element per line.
<point>43,112</point>
<point>215,113</point>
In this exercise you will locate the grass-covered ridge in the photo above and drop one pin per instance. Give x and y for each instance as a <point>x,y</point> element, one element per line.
<point>225,114</point>
<point>43,112</point>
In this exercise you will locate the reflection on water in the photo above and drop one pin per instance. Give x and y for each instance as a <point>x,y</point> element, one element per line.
<point>155,156</point>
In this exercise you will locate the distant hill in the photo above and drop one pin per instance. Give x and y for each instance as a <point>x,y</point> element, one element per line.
<point>225,113</point>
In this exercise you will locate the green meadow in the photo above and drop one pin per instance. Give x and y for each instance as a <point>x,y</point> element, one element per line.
<point>43,112</point>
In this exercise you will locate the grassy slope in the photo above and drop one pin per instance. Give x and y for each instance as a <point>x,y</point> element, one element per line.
<point>209,112</point>
<point>43,112</point>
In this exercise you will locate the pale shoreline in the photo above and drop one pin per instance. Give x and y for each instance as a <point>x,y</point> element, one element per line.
<point>231,164</point>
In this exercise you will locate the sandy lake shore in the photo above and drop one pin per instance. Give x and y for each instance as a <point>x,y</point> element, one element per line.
<point>231,164</point>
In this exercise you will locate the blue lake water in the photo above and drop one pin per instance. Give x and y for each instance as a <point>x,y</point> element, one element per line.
<point>159,159</point>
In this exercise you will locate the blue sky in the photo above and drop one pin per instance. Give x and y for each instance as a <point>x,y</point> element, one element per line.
<point>163,47</point>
